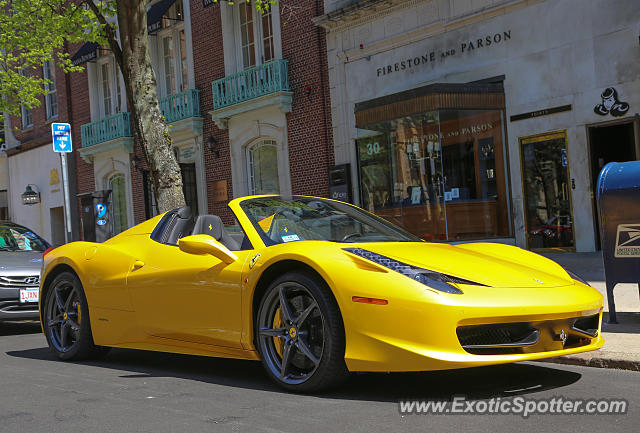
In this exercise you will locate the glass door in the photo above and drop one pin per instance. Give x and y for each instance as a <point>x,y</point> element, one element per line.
<point>547,191</point>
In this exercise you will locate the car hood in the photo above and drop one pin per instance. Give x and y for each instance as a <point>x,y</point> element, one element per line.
<point>491,264</point>
<point>20,262</point>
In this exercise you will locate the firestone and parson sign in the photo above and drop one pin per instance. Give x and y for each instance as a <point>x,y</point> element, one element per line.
<point>465,46</point>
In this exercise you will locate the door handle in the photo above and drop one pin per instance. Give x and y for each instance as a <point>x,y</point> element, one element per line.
<point>137,265</point>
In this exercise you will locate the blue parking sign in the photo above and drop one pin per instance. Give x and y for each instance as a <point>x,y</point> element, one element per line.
<point>61,133</point>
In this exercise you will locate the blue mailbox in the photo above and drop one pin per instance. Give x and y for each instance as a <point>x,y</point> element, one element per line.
<point>619,212</point>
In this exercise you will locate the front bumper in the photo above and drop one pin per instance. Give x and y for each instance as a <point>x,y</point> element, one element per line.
<point>14,310</point>
<point>418,330</point>
<point>11,309</point>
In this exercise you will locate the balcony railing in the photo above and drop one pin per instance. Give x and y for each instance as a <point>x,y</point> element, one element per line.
<point>251,83</point>
<point>181,105</point>
<point>106,129</point>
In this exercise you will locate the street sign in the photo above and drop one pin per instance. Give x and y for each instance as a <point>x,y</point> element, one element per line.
<point>61,133</point>
<point>61,137</point>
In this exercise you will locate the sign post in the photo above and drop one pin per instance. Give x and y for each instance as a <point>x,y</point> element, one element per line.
<point>61,134</point>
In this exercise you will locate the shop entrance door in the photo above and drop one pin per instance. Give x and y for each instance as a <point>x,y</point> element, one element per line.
<point>547,192</point>
<point>612,143</point>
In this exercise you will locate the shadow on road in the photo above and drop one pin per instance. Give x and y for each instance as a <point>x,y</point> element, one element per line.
<point>475,383</point>
<point>17,328</point>
<point>628,323</point>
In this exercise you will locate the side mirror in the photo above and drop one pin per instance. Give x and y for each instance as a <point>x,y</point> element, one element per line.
<point>205,244</point>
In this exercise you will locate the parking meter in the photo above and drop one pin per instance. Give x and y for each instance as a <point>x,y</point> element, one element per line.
<point>618,195</point>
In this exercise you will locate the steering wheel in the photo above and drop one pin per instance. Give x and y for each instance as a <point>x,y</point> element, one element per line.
<point>350,235</point>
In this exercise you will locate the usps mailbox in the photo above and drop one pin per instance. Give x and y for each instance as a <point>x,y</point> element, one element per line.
<point>619,212</point>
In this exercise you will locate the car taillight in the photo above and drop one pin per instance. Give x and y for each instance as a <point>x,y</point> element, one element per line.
<point>48,250</point>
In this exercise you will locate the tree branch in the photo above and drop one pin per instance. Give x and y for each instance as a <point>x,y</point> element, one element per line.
<point>112,38</point>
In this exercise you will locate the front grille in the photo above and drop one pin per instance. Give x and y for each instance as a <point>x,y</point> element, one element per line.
<point>506,334</point>
<point>528,337</point>
<point>14,281</point>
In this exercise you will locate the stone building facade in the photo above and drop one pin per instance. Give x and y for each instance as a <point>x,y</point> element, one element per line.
<point>484,119</point>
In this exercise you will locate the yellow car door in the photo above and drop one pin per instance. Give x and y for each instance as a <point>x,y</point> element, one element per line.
<point>187,297</point>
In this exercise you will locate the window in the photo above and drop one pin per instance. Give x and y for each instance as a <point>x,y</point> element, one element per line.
<point>263,168</point>
<point>255,35</point>
<point>247,35</point>
<point>26,112</point>
<point>18,238</point>
<point>109,91</point>
<point>190,186</point>
<point>172,51</point>
<point>169,68</point>
<point>118,203</point>
<point>51,98</point>
<point>267,36</point>
<point>27,117</point>
<point>441,174</point>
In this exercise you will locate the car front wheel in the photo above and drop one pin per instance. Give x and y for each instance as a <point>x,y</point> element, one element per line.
<point>300,334</point>
<point>66,320</point>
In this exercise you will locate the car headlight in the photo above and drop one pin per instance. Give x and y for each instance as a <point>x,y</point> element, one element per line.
<point>435,280</point>
<point>576,277</point>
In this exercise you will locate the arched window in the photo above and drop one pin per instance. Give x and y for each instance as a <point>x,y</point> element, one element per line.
<point>263,168</point>
<point>118,203</point>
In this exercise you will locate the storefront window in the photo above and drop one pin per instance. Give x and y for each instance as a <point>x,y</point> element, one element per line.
<point>440,175</point>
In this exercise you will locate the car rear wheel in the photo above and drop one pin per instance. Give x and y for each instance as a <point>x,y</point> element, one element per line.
<point>66,320</point>
<point>300,334</point>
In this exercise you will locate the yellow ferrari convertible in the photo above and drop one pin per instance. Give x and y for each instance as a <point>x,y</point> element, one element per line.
<point>315,289</point>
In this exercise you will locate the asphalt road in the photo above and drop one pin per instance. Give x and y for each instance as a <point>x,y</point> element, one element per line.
<point>136,391</point>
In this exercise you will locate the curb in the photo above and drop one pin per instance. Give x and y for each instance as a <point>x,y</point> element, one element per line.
<point>597,361</point>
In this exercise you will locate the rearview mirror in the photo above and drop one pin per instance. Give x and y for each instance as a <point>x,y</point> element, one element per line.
<point>205,244</point>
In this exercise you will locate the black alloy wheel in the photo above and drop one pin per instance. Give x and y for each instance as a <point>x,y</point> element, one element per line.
<point>66,320</point>
<point>300,334</point>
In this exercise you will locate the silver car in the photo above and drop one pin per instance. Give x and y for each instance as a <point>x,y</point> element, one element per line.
<point>21,253</point>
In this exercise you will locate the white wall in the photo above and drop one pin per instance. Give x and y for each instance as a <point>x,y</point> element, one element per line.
<point>34,167</point>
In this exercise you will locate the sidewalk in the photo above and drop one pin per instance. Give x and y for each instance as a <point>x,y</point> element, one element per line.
<point>622,341</point>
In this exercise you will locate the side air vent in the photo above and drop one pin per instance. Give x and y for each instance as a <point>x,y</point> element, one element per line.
<point>587,325</point>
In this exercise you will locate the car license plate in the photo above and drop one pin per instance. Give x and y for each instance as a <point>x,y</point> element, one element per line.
<point>29,295</point>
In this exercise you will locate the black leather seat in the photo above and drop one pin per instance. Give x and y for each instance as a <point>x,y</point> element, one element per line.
<point>212,225</point>
<point>180,224</point>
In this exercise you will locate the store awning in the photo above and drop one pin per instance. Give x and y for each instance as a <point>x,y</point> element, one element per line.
<point>86,53</point>
<point>155,14</point>
<point>429,98</point>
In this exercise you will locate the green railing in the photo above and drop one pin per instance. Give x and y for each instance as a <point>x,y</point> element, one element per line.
<point>175,107</point>
<point>181,105</point>
<point>251,83</point>
<point>105,129</point>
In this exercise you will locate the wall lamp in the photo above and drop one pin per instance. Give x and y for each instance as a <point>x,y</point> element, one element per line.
<point>29,196</point>
<point>135,161</point>
<point>212,144</point>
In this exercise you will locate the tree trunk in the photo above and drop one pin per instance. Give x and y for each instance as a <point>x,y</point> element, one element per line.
<point>149,126</point>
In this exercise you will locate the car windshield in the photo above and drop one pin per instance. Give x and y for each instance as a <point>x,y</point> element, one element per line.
<point>280,220</point>
<point>17,238</point>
